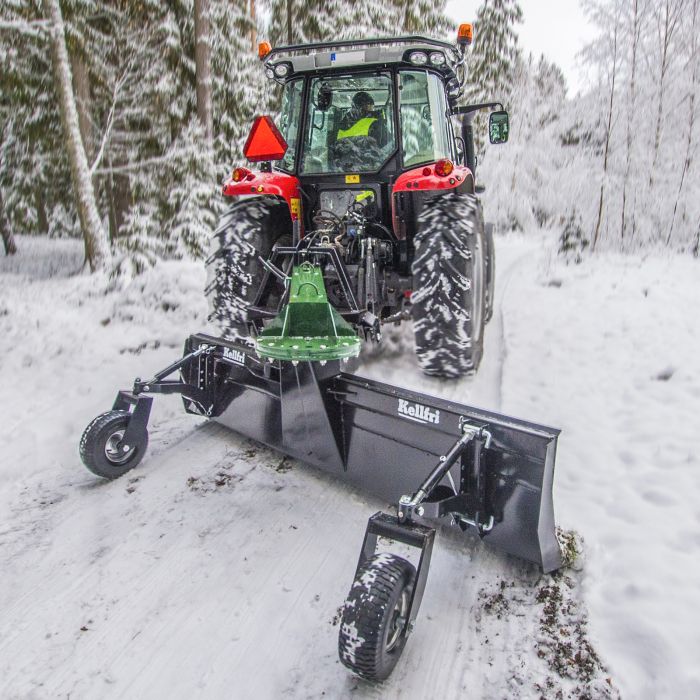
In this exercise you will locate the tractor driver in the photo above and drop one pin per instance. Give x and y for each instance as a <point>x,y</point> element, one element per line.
<point>361,120</point>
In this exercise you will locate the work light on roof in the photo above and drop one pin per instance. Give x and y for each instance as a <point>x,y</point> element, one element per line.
<point>418,58</point>
<point>437,58</point>
<point>281,70</point>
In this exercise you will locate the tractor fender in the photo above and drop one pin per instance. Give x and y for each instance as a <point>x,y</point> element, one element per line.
<point>424,179</point>
<point>411,187</point>
<point>252,182</point>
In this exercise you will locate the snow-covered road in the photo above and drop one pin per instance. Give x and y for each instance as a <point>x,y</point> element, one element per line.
<point>216,569</point>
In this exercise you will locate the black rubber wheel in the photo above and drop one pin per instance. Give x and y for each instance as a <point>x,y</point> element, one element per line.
<point>373,625</point>
<point>449,285</point>
<point>101,447</point>
<point>490,268</point>
<point>247,231</point>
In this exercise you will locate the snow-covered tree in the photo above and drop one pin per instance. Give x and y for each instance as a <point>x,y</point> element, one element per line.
<point>295,21</point>
<point>645,59</point>
<point>525,178</point>
<point>492,60</point>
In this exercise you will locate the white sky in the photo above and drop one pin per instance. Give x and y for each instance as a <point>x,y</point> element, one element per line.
<point>556,28</point>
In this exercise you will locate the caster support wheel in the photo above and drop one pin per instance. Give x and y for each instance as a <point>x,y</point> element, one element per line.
<point>373,628</point>
<point>102,448</point>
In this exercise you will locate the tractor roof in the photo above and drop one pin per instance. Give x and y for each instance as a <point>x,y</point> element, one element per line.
<point>359,53</point>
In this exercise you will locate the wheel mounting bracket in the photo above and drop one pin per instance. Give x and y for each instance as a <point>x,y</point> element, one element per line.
<point>412,534</point>
<point>139,408</point>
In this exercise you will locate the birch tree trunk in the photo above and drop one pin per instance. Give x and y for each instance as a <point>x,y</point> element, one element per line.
<point>608,136</point>
<point>671,15</point>
<point>202,60</point>
<point>97,251</point>
<point>81,87</point>
<point>7,237</point>
<point>631,115</point>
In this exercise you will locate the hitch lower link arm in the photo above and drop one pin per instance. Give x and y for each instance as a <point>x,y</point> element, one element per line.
<point>410,505</point>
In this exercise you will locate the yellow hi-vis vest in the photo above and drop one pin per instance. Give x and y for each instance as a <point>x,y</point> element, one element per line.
<point>359,128</point>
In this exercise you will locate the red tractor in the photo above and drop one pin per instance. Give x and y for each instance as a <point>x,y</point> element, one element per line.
<point>371,176</point>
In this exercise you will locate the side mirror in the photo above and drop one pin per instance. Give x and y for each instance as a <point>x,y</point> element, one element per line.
<point>325,97</point>
<point>498,127</point>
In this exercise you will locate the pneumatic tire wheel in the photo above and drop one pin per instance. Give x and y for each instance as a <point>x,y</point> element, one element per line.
<point>102,448</point>
<point>449,285</point>
<point>248,230</point>
<point>373,627</point>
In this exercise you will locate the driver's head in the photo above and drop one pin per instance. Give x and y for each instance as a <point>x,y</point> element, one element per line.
<point>363,103</point>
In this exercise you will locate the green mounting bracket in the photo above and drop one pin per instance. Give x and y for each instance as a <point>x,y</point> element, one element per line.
<point>308,329</point>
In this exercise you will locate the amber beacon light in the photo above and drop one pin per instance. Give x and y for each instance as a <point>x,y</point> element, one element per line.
<point>264,49</point>
<point>465,34</point>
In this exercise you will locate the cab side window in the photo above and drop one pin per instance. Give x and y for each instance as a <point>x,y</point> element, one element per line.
<point>424,136</point>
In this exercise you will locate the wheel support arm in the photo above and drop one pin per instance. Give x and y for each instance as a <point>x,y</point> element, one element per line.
<point>412,534</point>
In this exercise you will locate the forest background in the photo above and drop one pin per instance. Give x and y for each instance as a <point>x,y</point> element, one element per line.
<point>119,119</point>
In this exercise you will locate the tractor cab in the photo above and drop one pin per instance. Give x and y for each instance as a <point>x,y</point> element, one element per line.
<point>356,115</point>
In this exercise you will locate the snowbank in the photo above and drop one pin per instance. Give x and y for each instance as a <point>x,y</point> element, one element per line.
<point>608,351</point>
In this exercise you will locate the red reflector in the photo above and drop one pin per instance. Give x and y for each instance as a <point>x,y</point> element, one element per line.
<point>407,294</point>
<point>264,141</point>
<point>427,171</point>
<point>443,168</point>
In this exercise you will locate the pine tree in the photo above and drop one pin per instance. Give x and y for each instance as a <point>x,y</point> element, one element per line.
<point>493,58</point>
<point>33,168</point>
<point>295,21</point>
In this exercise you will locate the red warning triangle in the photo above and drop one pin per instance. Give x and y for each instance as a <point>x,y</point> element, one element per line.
<point>264,141</point>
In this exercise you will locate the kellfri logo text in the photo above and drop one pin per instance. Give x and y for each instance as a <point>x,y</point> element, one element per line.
<point>418,412</point>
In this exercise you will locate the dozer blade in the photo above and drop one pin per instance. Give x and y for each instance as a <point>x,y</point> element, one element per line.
<point>308,329</point>
<point>385,440</point>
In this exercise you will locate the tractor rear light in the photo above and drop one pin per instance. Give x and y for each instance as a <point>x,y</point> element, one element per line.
<point>418,58</point>
<point>240,174</point>
<point>444,167</point>
<point>264,49</point>
<point>427,171</point>
<point>437,58</point>
<point>465,34</point>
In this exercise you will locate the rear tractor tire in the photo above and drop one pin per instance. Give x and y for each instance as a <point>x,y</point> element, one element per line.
<point>247,231</point>
<point>374,624</point>
<point>449,285</point>
<point>102,448</point>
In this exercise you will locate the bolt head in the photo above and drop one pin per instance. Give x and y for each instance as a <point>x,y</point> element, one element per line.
<point>125,448</point>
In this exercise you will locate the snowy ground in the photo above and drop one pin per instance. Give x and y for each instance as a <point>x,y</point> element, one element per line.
<point>216,569</point>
